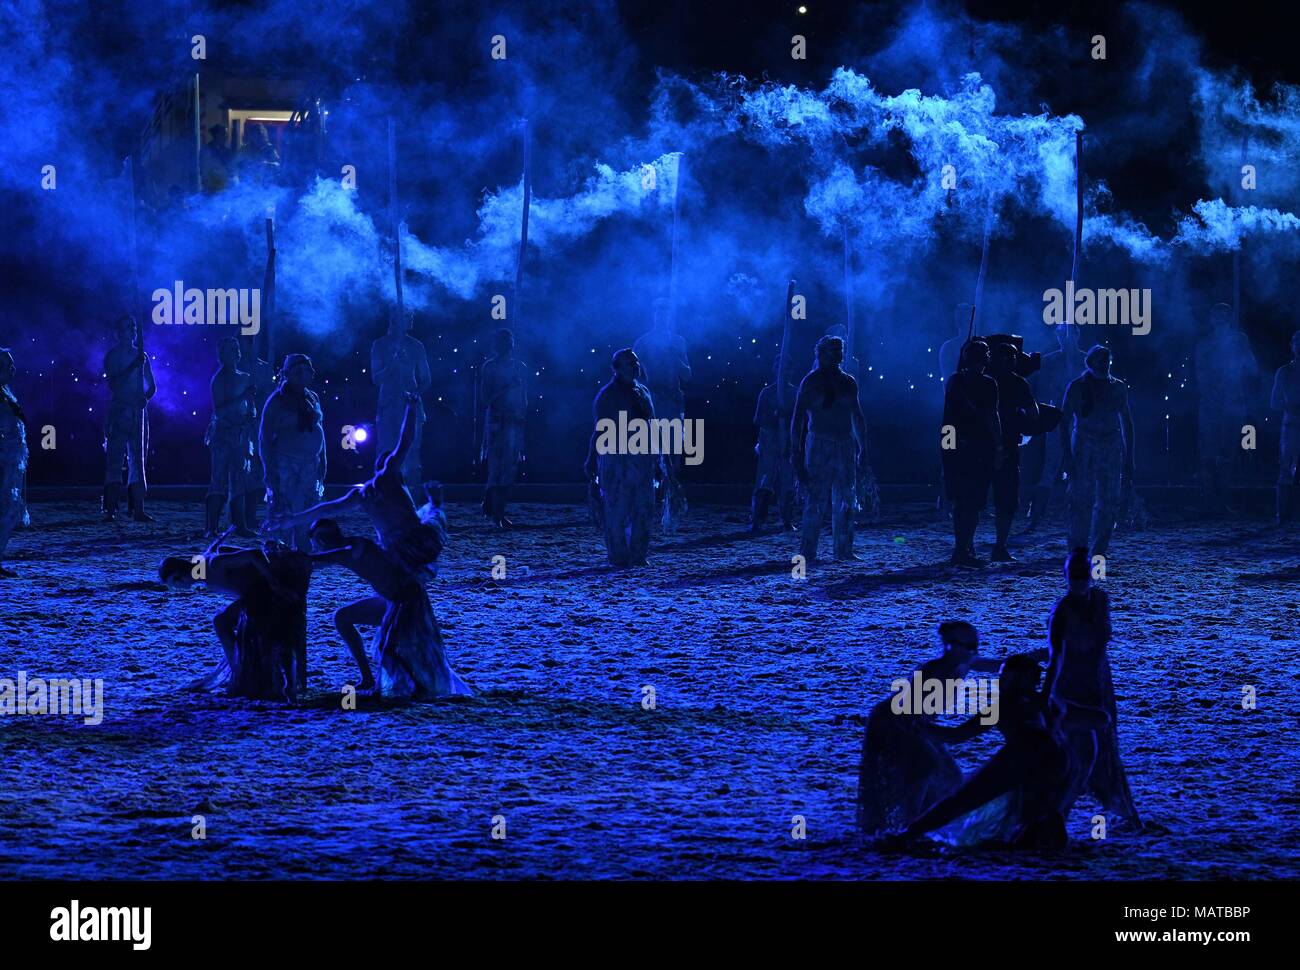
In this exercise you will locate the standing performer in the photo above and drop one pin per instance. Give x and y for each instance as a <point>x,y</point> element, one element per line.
<point>1096,451</point>
<point>1079,677</point>
<point>229,433</point>
<point>262,383</point>
<point>292,445</point>
<point>827,431</point>
<point>1017,411</point>
<point>398,366</point>
<point>1225,374</point>
<point>126,428</point>
<point>1059,368</point>
<point>662,353</point>
<point>505,408</point>
<point>775,478</point>
<point>13,459</point>
<point>971,446</point>
<point>949,356</point>
<point>1286,398</point>
<point>627,490</point>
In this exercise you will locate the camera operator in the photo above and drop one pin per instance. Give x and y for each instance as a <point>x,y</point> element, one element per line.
<point>1018,414</point>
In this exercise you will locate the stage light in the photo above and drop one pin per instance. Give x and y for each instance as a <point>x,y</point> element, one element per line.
<point>803,9</point>
<point>360,435</point>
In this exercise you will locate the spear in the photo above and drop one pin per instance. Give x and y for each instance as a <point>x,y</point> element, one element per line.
<point>392,217</point>
<point>1078,216</point>
<point>782,365</point>
<point>128,173</point>
<point>984,264</point>
<point>268,292</point>
<point>523,219</point>
<point>672,276</point>
<point>1236,253</point>
<point>848,299</point>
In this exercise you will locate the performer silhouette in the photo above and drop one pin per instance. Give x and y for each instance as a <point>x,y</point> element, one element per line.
<point>1079,677</point>
<point>971,446</point>
<point>228,437</point>
<point>292,445</point>
<point>407,648</point>
<point>827,432</point>
<point>13,459</point>
<point>505,408</point>
<point>1286,398</point>
<point>1096,451</point>
<point>626,481</point>
<point>400,366</point>
<point>775,478</point>
<point>126,426</point>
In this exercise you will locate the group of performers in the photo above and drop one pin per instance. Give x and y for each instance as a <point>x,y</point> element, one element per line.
<point>1059,741</point>
<point>263,631</point>
<point>266,436</point>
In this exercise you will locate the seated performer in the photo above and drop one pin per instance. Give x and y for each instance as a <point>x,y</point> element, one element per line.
<point>263,633</point>
<point>1024,787</point>
<point>1078,676</point>
<point>407,646</point>
<point>905,768</point>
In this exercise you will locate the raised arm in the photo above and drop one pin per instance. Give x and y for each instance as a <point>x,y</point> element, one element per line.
<point>1277,400</point>
<point>405,439</point>
<point>323,510</point>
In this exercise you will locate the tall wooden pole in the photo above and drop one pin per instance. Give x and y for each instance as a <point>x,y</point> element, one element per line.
<point>268,294</point>
<point>1236,253</point>
<point>523,220</point>
<point>393,220</point>
<point>849,336</point>
<point>198,137</point>
<point>1078,217</point>
<point>672,274</point>
<point>128,174</point>
<point>984,265</point>
<point>783,362</point>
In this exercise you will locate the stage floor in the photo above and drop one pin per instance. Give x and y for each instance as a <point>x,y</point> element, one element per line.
<point>754,675</point>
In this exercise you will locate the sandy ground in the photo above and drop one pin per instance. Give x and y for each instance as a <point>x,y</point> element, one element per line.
<point>755,676</point>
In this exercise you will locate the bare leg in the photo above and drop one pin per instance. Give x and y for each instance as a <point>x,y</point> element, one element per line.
<point>366,612</point>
